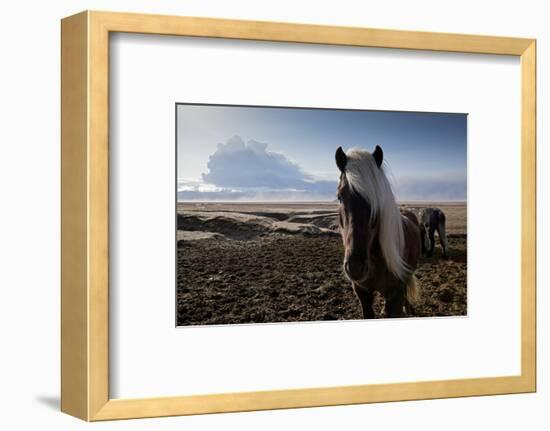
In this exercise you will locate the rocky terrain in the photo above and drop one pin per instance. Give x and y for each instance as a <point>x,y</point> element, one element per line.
<point>253,263</point>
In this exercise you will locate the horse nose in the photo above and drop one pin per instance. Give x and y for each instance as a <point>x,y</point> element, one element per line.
<point>354,269</point>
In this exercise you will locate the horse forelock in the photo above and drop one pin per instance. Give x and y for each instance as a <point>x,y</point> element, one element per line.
<point>369,181</point>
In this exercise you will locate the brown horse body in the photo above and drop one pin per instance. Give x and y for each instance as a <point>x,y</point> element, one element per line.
<point>367,241</point>
<point>399,295</point>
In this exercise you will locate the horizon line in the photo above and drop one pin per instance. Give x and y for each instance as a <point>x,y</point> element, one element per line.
<point>400,202</point>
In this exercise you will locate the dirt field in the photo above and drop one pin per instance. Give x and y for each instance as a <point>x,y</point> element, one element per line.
<point>253,263</point>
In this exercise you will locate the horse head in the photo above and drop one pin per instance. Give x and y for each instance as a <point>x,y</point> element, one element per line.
<point>355,216</point>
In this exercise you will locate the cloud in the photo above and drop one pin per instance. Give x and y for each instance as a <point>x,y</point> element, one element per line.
<point>249,171</point>
<point>190,185</point>
<point>239,171</point>
<point>255,195</point>
<point>236,164</point>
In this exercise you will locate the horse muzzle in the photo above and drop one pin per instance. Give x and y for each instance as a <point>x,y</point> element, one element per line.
<point>355,270</point>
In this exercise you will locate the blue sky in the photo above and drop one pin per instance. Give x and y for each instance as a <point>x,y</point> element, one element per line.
<point>258,153</point>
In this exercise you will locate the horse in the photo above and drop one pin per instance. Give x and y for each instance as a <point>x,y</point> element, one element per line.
<point>432,219</point>
<point>381,246</point>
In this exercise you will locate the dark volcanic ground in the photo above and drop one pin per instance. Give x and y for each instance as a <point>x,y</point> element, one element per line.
<point>280,277</point>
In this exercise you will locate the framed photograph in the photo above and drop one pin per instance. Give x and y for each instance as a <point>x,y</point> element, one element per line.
<point>263,215</point>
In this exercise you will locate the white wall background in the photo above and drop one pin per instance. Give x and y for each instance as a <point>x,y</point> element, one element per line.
<point>29,216</point>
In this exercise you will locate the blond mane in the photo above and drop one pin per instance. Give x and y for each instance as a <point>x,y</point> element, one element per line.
<point>370,182</point>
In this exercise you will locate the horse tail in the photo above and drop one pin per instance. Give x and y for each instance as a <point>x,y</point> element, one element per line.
<point>411,292</point>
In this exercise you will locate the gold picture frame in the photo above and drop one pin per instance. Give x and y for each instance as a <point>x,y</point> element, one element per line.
<point>85,218</point>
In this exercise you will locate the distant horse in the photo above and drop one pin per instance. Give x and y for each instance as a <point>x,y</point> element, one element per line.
<point>382,247</point>
<point>432,219</point>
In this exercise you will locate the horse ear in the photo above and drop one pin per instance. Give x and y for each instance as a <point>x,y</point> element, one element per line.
<point>341,159</point>
<point>378,155</point>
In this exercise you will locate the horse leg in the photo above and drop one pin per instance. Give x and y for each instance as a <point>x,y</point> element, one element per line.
<point>442,236</point>
<point>395,304</point>
<point>432,242</point>
<point>366,298</point>
<point>422,242</point>
<point>409,308</point>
